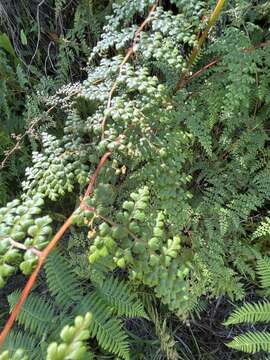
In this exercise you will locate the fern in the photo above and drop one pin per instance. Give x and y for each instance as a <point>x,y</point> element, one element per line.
<point>250,313</point>
<point>263,271</point>
<point>119,298</point>
<point>106,301</point>
<point>251,342</point>
<point>37,315</point>
<point>62,282</point>
<point>21,340</point>
<point>108,331</point>
<point>256,341</point>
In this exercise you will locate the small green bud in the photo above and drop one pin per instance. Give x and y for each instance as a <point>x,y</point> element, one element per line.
<point>12,256</point>
<point>104,229</point>
<point>139,248</point>
<point>154,260</point>
<point>121,263</point>
<point>27,267</point>
<point>4,245</point>
<point>154,243</point>
<point>103,252</point>
<point>128,205</point>
<point>6,270</point>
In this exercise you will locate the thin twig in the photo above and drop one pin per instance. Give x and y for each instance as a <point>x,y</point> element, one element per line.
<point>17,146</point>
<point>216,61</point>
<point>212,20</point>
<point>21,246</point>
<point>130,52</point>
<point>39,34</point>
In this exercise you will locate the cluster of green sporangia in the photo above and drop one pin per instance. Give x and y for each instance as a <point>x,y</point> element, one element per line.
<point>72,346</point>
<point>119,31</point>
<point>55,170</point>
<point>73,338</point>
<point>165,44</point>
<point>21,233</point>
<point>144,248</point>
<point>193,9</point>
<point>17,355</point>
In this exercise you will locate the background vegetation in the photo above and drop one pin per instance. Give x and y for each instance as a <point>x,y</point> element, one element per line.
<point>174,236</point>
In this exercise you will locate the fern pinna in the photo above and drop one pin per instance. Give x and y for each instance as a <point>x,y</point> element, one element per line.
<point>43,317</point>
<point>252,313</point>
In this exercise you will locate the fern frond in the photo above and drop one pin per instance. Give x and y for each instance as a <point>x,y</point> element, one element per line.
<point>251,342</point>
<point>119,297</point>
<point>61,281</point>
<point>250,313</point>
<point>37,315</point>
<point>108,330</point>
<point>263,271</point>
<point>20,340</point>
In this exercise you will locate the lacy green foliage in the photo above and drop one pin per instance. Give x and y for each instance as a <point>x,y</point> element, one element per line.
<point>252,342</point>
<point>195,151</point>
<point>13,85</point>
<point>263,271</point>
<point>21,229</point>
<point>146,251</point>
<point>42,317</point>
<point>186,149</point>
<point>75,45</point>
<point>250,313</point>
<point>188,176</point>
<point>37,316</point>
<point>62,283</point>
<point>167,342</point>
<point>107,329</point>
<point>122,301</point>
<point>72,344</point>
<point>54,171</point>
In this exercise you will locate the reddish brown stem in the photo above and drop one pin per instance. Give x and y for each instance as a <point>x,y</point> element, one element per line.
<point>44,254</point>
<point>92,182</point>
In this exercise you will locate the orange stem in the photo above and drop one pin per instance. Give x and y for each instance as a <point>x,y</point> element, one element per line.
<point>44,254</point>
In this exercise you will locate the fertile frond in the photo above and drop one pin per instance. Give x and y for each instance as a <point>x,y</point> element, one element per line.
<point>73,341</point>
<point>263,271</point>
<point>119,296</point>
<point>250,313</point>
<point>251,342</point>
<point>20,340</point>
<point>37,315</point>
<point>61,280</point>
<point>18,355</point>
<point>263,229</point>
<point>107,329</point>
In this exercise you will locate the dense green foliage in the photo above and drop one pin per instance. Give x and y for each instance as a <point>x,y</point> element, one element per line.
<point>179,210</point>
<point>255,341</point>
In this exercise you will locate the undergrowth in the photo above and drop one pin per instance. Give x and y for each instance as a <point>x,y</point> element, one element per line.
<point>164,117</point>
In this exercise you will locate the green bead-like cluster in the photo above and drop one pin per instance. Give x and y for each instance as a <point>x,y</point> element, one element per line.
<point>149,254</point>
<point>165,44</point>
<point>73,338</point>
<point>72,346</point>
<point>18,355</point>
<point>55,170</point>
<point>21,229</point>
